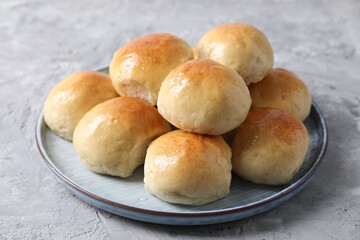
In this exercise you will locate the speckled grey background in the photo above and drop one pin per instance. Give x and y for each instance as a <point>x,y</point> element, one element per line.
<point>43,41</point>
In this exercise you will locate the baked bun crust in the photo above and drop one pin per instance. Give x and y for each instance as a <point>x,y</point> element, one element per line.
<point>139,67</point>
<point>188,168</point>
<point>205,97</point>
<point>73,97</point>
<point>269,147</point>
<point>241,47</point>
<point>112,138</point>
<point>283,90</point>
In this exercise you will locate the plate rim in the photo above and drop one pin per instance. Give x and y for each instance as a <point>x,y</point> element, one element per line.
<point>277,196</point>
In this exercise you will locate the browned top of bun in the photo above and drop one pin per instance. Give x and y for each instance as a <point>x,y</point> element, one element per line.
<point>112,137</point>
<point>181,144</point>
<point>241,47</point>
<point>283,90</point>
<point>188,168</point>
<point>69,100</point>
<point>130,110</point>
<point>281,80</point>
<point>145,62</point>
<point>273,123</point>
<point>269,146</point>
<point>205,97</point>
<point>157,48</point>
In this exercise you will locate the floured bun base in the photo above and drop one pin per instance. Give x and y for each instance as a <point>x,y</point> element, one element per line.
<point>187,168</point>
<point>241,47</point>
<point>73,97</point>
<point>139,67</point>
<point>204,97</point>
<point>269,147</point>
<point>283,90</point>
<point>112,138</point>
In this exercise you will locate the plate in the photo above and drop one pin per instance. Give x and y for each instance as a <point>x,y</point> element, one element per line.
<point>128,198</point>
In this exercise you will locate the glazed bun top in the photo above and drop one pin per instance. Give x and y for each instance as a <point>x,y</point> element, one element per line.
<point>269,146</point>
<point>73,97</point>
<point>239,46</point>
<point>188,168</point>
<point>112,138</point>
<point>283,90</point>
<point>139,67</point>
<point>204,97</point>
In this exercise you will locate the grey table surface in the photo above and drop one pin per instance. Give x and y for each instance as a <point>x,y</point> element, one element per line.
<point>43,41</point>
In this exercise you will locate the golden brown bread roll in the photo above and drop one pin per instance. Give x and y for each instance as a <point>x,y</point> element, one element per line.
<point>269,147</point>
<point>73,97</point>
<point>112,138</point>
<point>139,67</point>
<point>187,168</point>
<point>241,47</point>
<point>283,90</point>
<point>205,97</point>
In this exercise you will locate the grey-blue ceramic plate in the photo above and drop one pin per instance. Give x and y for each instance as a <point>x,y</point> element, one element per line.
<point>128,198</point>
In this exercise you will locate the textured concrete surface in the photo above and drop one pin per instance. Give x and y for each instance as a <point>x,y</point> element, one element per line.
<point>42,41</point>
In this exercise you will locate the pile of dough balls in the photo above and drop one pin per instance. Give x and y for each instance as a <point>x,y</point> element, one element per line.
<point>169,106</point>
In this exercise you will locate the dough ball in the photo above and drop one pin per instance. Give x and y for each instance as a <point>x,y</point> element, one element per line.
<point>205,97</point>
<point>139,67</point>
<point>187,168</point>
<point>73,97</point>
<point>283,90</point>
<point>269,147</point>
<point>241,47</point>
<point>112,138</point>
